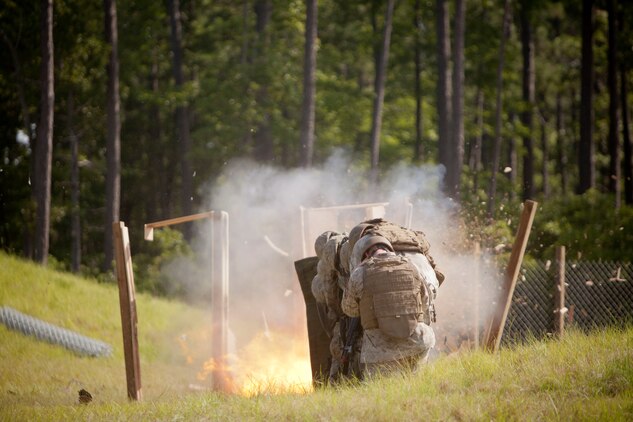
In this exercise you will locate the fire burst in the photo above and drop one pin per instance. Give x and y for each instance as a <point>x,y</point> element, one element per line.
<point>272,363</point>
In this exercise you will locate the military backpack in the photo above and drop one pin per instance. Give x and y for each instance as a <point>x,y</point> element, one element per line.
<point>395,297</point>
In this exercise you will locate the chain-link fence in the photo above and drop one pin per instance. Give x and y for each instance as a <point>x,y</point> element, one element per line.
<point>45,331</point>
<point>597,294</point>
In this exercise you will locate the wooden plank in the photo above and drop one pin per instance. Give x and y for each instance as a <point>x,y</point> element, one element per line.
<point>221,376</point>
<point>149,227</point>
<point>349,207</point>
<point>493,336</point>
<point>559,293</point>
<point>127,302</point>
<point>475,294</point>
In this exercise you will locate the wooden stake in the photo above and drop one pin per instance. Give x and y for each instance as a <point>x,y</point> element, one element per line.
<point>476,287</point>
<point>127,302</point>
<point>493,336</point>
<point>222,378</point>
<point>559,293</point>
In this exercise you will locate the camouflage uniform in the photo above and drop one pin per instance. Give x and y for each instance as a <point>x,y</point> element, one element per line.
<point>406,242</point>
<point>327,288</point>
<point>379,351</point>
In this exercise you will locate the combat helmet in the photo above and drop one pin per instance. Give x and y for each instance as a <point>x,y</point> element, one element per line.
<point>320,241</point>
<point>356,233</point>
<point>344,255</point>
<point>364,245</point>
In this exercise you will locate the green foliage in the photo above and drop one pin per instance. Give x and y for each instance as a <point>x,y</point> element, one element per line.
<point>167,246</point>
<point>587,225</point>
<point>237,77</point>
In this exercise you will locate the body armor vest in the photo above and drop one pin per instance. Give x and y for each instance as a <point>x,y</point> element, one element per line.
<point>395,298</point>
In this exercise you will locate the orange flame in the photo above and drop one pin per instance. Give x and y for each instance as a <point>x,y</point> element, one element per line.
<point>273,362</point>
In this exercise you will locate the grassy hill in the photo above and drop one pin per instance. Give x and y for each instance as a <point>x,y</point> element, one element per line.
<point>35,373</point>
<point>581,377</point>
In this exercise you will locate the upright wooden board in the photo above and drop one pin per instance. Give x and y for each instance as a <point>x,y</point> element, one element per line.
<point>127,301</point>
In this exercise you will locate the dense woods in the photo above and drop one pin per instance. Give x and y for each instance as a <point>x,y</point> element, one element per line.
<point>127,109</point>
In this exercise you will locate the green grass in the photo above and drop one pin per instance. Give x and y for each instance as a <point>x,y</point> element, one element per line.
<point>581,377</point>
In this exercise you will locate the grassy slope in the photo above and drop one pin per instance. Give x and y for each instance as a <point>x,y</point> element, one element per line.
<point>37,373</point>
<point>578,378</point>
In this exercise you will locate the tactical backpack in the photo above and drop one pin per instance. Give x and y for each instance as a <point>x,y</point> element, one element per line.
<point>402,239</point>
<point>395,297</point>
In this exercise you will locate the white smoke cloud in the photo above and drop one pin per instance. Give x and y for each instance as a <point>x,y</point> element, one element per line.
<point>264,206</point>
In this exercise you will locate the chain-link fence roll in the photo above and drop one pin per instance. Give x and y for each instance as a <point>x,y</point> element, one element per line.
<point>44,331</point>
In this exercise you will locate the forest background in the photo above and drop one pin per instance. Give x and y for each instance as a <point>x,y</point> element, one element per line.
<point>125,111</point>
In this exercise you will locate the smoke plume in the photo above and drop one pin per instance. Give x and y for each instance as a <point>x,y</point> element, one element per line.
<point>276,214</point>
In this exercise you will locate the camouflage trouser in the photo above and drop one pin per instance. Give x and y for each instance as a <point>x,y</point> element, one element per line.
<point>405,365</point>
<point>336,350</point>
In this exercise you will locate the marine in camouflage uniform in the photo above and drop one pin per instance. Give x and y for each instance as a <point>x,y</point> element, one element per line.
<point>327,287</point>
<point>381,352</point>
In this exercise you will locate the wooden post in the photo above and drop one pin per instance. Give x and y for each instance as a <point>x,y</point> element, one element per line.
<point>221,376</point>
<point>127,301</point>
<point>476,287</point>
<point>493,336</point>
<point>559,293</point>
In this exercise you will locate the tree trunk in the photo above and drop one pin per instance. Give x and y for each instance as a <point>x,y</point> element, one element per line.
<point>562,151</point>
<point>75,216</point>
<point>586,156</point>
<point>544,172</point>
<point>513,159</point>
<point>309,85</point>
<point>264,147</point>
<point>246,59</point>
<point>475,150</point>
<point>182,112</point>
<point>379,97</point>
<point>419,128</point>
<point>454,171</point>
<point>626,140</point>
<point>44,140</point>
<point>496,154</point>
<point>244,54</point>
<point>113,137</point>
<point>527,117</point>
<point>443,82</point>
<point>612,82</point>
